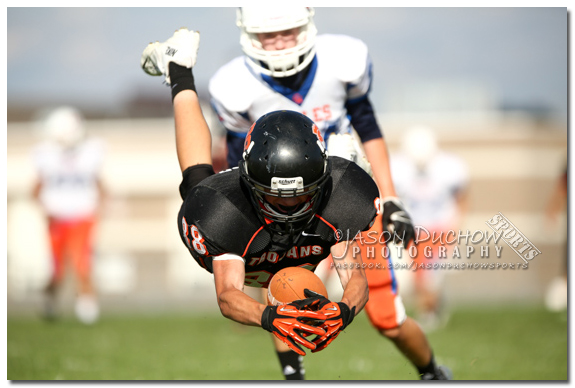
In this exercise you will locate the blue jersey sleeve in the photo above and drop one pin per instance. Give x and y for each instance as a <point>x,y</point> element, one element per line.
<point>363,119</point>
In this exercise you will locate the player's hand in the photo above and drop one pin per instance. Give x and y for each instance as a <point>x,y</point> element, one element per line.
<point>339,316</point>
<point>290,325</point>
<point>181,48</point>
<point>397,221</point>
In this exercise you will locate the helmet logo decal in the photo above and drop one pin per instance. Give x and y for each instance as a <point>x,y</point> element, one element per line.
<point>320,142</point>
<point>248,140</point>
<point>317,133</point>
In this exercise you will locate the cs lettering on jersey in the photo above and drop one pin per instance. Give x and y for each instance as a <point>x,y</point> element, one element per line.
<point>293,253</point>
<point>320,113</point>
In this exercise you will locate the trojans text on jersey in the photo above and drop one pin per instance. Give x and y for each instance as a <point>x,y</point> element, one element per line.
<point>293,253</point>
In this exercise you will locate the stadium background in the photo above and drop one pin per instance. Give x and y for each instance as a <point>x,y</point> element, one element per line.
<point>513,137</point>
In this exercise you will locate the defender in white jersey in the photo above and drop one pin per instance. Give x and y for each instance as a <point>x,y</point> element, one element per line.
<point>239,93</point>
<point>433,185</point>
<point>68,188</point>
<point>327,78</point>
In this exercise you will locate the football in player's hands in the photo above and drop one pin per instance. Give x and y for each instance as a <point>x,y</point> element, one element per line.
<point>289,285</point>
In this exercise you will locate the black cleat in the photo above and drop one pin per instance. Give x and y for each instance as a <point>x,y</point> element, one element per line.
<point>441,373</point>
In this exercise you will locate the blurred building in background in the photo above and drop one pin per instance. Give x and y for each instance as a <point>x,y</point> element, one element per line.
<point>514,159</point>
<point>492,82</point>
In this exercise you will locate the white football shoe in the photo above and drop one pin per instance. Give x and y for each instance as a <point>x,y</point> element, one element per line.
<point>181,48</point>
<point>87,309</point>
<point>556,297</point>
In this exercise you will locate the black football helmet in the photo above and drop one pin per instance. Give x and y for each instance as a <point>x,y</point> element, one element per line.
<point>285,156</point>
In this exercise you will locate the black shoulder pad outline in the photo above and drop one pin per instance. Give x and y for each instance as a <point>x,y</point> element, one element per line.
<point>223,214</point>
<point>352,202</point>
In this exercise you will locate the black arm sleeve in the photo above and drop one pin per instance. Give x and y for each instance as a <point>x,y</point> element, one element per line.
<point>194,175</point>
<point>363,119</point>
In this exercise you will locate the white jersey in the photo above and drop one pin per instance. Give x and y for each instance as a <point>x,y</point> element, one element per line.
<point>430,195</point>
<point>69,178</point>
<point>341,72</point>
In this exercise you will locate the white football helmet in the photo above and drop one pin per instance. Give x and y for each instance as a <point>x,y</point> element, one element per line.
<point>280,63</point>
<point>65,126</point>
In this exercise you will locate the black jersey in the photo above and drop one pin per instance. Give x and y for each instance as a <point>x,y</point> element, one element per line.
<point>217,217</point>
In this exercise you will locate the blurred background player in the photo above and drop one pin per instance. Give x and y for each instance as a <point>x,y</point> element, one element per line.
<point>556,297</point>
<point>327,78</point>
<point>433,185</point>
<point>69,191</point>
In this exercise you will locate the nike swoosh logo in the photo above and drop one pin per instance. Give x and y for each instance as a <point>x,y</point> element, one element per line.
<point>309,235</point>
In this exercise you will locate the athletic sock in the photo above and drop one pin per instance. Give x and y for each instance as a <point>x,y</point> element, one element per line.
<point>429,370</point>
<point>292,365</point>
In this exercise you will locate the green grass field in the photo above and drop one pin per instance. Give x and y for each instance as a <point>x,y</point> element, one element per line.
<point>511,343</point>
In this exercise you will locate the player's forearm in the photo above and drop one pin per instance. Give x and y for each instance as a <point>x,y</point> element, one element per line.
<point>239,307</point>
<point>234,304</point>
<point>356,293</point>
<point>351,275</point>
<point>378,157</point>
<point>193,137</point>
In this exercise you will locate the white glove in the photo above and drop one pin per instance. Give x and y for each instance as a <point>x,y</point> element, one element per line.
<point>346,146</point>
<point>181,48</point>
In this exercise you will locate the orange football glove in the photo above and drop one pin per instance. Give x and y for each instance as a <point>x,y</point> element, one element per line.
<point>313,302</point>
<point>339,316</point>
<point>289,325</point>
